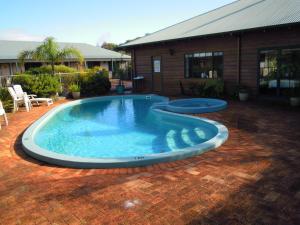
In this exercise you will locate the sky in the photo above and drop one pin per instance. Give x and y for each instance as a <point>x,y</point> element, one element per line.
<point>94,21</point>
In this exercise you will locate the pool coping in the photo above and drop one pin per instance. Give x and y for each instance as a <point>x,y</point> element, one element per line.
<point>44,155</point>
<point>217,105</point>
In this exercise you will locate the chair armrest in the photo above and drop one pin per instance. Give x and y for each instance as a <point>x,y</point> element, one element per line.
<point>32,96</point>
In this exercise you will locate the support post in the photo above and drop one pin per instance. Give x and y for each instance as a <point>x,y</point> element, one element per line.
<point>112,67</point>
<point>17,67</point>
<point>10,69</point>
<point>239,44</point>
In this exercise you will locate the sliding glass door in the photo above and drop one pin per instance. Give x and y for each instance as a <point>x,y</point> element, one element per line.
<point>268,63</point>
<point>279,71</point>
<point>289,71</point>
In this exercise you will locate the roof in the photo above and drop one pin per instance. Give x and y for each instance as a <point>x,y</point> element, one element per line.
<point>237,16</point>
<point>9,50</point>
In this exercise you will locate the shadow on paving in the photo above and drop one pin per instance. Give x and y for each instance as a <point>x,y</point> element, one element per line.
<point>275,197</point>
<point>19,151</point>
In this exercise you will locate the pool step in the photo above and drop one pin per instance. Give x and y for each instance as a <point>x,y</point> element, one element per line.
<point>170,139</point>
<point>185,136</point>
<point>200,133</point>
<point>177,139</point>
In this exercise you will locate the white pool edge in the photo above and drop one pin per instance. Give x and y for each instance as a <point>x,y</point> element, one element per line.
<point>44,155</point>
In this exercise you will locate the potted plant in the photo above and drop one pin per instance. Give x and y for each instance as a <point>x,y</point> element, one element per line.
<point>243,93</point>
<point>75,90</point>
<point>295,97</point>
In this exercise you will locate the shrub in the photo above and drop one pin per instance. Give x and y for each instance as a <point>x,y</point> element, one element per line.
<point>74,88</point>
<point>207,88</point>
<point>94,84</point>
<point>67,80</point>
<point>121,73</point>
<point>6,99</point>
<point>42,85</point>
<point>47,69</point>
<point>98,70</point>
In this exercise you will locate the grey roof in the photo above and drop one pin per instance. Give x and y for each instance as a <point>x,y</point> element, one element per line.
<point>9,50</point>
<point>236,16</point>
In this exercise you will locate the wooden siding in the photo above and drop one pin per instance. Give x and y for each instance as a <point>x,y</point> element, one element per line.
<point>173,64</point>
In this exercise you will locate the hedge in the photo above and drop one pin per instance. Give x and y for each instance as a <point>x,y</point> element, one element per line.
<point>44,85</point>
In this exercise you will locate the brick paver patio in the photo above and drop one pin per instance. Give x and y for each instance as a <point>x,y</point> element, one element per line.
<point>252,179</point>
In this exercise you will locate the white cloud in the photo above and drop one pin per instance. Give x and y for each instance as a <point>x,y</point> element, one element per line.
<point>19,35</point>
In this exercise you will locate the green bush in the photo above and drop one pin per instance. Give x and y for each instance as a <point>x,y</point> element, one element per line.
<point>6,99</point>
<point>74,88</point>
<point>94,84</point>
<point>207,88</point>
<point>43,85</point>
<point>97,70</point>
<point>48,70</point>
<point>67,80</point>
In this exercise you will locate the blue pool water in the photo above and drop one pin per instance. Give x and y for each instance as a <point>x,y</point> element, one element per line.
<point>119,127</point>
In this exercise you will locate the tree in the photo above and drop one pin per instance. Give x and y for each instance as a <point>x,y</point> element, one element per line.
<point>110,46</point>
<point>49,52</point>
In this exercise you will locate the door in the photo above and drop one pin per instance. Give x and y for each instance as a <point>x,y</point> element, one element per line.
<point>157,75</point>
<point>268,74</point>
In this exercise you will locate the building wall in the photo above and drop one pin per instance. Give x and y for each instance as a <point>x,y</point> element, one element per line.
<point>253,41</point>
<point>105,65</point>
<point>4,69</point>
<point>10,68</point>
<point>173,65</point>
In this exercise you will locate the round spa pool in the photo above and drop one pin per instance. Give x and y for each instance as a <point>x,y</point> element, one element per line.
<point>119,131</point>
<point>196,105</point>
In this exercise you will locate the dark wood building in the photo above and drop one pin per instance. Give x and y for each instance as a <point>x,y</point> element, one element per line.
<point>255,43</point>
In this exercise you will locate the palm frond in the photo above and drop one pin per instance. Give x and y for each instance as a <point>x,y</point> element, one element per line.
<point>49,52</point>
<point>24,55</point>
<point>70,53</point>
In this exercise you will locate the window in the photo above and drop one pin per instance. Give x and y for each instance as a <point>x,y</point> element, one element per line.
<point>268,63</point>
<point>206,65</point>
<point>290,64</point>
<point>156,65</point>
<point>279,71</point>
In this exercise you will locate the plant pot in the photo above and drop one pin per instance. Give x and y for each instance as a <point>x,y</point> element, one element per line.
<point>76,95</point>
<point>295,101</point>
<point>120,89</point>
<point>243,96</point>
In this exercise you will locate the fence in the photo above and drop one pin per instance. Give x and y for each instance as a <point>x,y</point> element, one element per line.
<point>65,79</point>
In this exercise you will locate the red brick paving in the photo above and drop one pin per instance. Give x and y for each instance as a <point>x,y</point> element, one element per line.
<point>252,179</point>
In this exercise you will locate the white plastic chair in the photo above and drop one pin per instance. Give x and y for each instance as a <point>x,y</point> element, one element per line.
<point>2,113</point>
<point>19,100</point>
<point>32,98</point>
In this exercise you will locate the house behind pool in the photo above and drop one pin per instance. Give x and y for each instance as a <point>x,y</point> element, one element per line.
<point>254,43</point>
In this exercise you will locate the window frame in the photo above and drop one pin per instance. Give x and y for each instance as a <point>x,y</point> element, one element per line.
<point>279,49</point>
<point>213,63</point>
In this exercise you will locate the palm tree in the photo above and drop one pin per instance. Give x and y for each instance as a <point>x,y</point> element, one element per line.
<point>49,52</point>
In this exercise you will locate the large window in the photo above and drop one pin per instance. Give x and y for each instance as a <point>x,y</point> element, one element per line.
<point>205,65</point>
<point>268,66</point>
<point>279,71</point>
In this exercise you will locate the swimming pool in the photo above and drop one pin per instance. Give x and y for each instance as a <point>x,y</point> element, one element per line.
<point>119,131</point>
